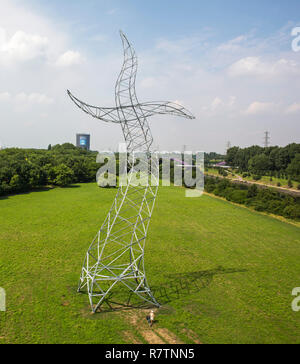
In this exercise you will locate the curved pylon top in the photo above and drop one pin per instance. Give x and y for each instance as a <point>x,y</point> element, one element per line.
<point>125,86</point>
<point>128,108</point>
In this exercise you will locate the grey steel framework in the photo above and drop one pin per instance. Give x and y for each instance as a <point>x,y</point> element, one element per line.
<point>116,255</point>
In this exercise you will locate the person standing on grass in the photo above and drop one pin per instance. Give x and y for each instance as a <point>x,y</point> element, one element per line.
<point>151,318</point>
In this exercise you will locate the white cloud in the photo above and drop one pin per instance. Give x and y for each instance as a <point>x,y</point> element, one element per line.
<point>22,47</point>
<point>217,103</point>
<point>5,97</point>
<point>255,66</point>
<point>233,44</point>
<point>258,108</point>
<point>232,101</point>
<point>33,98</point>
<point>25,101</point>
<point>247,66</point>
<point>69,58</point>
<point>293,109</point>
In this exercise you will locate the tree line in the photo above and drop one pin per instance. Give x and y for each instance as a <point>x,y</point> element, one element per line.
<point>27,169</point>
<point>281,162</point>
<point>260,199</point>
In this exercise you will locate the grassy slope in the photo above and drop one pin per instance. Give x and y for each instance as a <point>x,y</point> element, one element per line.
<point>264,179</point>
<point>227,273</point>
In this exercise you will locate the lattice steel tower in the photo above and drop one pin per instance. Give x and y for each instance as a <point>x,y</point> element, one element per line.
<point>116,255</point>
<point>267,139</point>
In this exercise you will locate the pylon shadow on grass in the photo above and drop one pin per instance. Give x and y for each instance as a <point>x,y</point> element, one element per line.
<point>181,284</point>
<point>178,285</point>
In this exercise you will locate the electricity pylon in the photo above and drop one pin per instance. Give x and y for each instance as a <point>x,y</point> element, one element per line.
<point>116,255</point>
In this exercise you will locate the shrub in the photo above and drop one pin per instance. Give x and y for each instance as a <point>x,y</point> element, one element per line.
<point>257,177</point>
<point>252,192</point>
<point>16,183</point>
<point>222,172</point>
<point>4,188</point>
<point>259,206</point>
<point>292,212</point>
<point>275,207</point>
<point>238,196</point>
<point>209,187</point>
<point>63,175</point>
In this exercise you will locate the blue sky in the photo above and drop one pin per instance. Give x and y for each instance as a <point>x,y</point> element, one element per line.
<point>149,20</point>
<point>229,62</point>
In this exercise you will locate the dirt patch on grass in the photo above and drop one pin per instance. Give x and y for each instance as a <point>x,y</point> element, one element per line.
<point>151,337</point>
<point>169,337</point>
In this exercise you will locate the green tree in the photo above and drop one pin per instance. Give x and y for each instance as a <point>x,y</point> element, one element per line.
<point>15,183</point>
<point>37,177</point>
<point>293,169</point>
<point>259,164</point>
<point>63,175</point>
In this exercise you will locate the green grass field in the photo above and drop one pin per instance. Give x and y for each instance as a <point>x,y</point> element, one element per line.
<point>223,273</point>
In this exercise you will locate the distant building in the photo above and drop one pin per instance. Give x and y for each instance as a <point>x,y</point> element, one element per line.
<point>83,141</point>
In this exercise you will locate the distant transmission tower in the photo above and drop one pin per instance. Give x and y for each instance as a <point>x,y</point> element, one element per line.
<point>267,139</point>
<point>228,146</point>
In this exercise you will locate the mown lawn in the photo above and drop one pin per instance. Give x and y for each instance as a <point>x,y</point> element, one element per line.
<point>220,270</point>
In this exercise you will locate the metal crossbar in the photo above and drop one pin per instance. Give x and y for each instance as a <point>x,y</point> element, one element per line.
<point>116,254</point>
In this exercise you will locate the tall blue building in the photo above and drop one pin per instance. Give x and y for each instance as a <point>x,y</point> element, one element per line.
<point>83,141</point>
